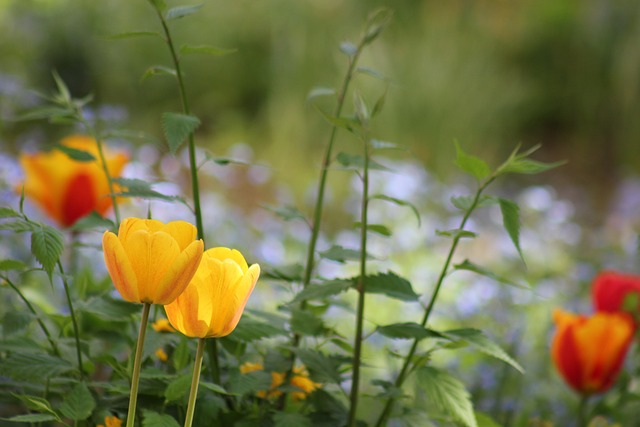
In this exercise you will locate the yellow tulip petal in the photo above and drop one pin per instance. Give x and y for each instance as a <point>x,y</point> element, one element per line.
<point>226,253</point>
<point>119,267</point>
<point>182,231</point>
<point>178,273</point>
<point>131,225</point>
<point>241,296</point>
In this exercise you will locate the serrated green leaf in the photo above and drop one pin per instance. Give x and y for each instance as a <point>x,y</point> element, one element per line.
<point>485,420</point>
<point>472,165</point>
<point>12,264</point>
<point>142,189</point>
<point>39,404</point>
<point>75,154</point>
<point>158,70</point>
<point>456,233</point>
<point>286,212</point>
<point>447,393</point>
<point>188,49</point>
<point>356,162</point>
<point>8,213</point>
<point>304,322</point>
<point>93,221</point>
<point>340,254</point>
<point>380,229</point>
<point>348,48</point>
<point>19,226</point>
<point>482,343</point>
<point>322,366</point>
<point>47,245</point>
<point>251,382</point>
<point>45,113</point>
<point>213,387</point>
<point>511,222</point>
<point>182,11</point>
<point>289,273</point>
<point>320,91</point>
<point>470,266</point>
<point>34,366</point>
<point>323,290</point>
<point>32,418</point>
<point>290,419</point>
<point>408,330</point>
<point>108,308</point>
<point>390,284</point>
<point>78,404</point>
<point>252,330</point>
<point>178,388</point>
<point>346,123</point>
<point>398,202</point>
<point>177,127</point>
<point>153,419</point>
<point>464,203</point>
<point>132,34</point>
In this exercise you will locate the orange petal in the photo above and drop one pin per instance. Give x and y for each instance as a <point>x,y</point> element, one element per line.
<point>119,267</point>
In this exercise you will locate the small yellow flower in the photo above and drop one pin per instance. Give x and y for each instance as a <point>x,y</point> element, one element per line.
<point>213,302</point>
<point>162,325</point>
<point>111,421</point>
<point>162,355</point>
<point>68,189</point>
<point>152,262</point>
<point>300,380</point>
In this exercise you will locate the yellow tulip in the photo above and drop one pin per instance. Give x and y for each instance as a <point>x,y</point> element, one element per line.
<point>68,189</point>
<point>152,262</point>
<point>162,325</point>
<point>213,302</point>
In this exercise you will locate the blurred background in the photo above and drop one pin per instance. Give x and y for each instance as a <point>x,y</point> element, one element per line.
<point>564,74</point>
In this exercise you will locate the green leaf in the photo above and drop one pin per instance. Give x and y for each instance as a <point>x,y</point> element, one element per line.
<point>132,34</point>
<point>340,254</point>
<point>377,144</point>
<point>306,323</point>
<point>323,367</point>
<point>288,273</point>
<point>485,420</point>
<point>19,226</point>
<point>178,388</point>
<point>50,113</point>
<point>356,162</point>
<point>447,393</point>
<point>34,366</point>
<point>251,382</point>
<point>93,221</point>
<point>409,330</point>
<point>511,221</point>
<point>398,202</point>
<point>32,418</point>
<point>177,127</point>
<point>12,264</point>
<point>142,189</point>
<point>380,229</point>
<point>377,107</point>
<point>528,167</point>
<point>390,284</point>
<point>346,123</point>
<point>480,342</point>
<point>377,22</point>
<point>464,203</point>
<point>108,308</point>
<point>456,233</point>
<point>158,70</point>
<point>290,419</point>
<point>472,165</point>
<point>187,49</point>
<point>213,387</point>
<point>63,96</point>
<point>153,419</point>
<point>182,11</point>
<point>362,111</point>
<point>286,212</point>
<point>47,245</point>
<point>160,5</point>
<point>38,404</point>
<point>372,73</point>
<point>8,213</point>
<point>323,290</point>
<point>320,91</point>
<point>252,330</point>
<point>470,266</point>
<point>78,404</point>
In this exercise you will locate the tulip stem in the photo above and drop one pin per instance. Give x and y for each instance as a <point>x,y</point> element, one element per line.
<point>74,321</point>
<point>214,361</point>
<point>54,347</point>
<point>105,167</point>
<point>195,381</point>
<point>135,377</point>
<point>404,371</point>
<point>582,411</point>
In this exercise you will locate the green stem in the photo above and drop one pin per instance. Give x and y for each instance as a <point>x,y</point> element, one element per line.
<point>195,381</point>
<point>434,296</point>
<point>54,347</point>
<point>135,377</point>
<point>357,348</point>
<point>105,167</point>
<point>214,362</point>
<point>185,108</point>
<point>582,411</point>
<point>74,321</point>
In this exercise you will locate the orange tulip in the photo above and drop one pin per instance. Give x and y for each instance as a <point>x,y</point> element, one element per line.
<point>610,289</point>
<point>589,351</point>
<point>213,302</point>
<point>68,189</point>
<point>152,262</point>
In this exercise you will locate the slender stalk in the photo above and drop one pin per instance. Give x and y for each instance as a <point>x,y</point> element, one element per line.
<point>74,321</point>
<point>434,296</point>
<point>213,356</point>
<point>135,377</point>
<point>195,381</point>
<point>357,347</point>
<point>582,411</point>
<point>54,347</point>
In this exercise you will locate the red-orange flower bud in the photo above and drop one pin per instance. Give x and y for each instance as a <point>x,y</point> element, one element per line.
<point>588,351</point>
<point>610,289</point>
